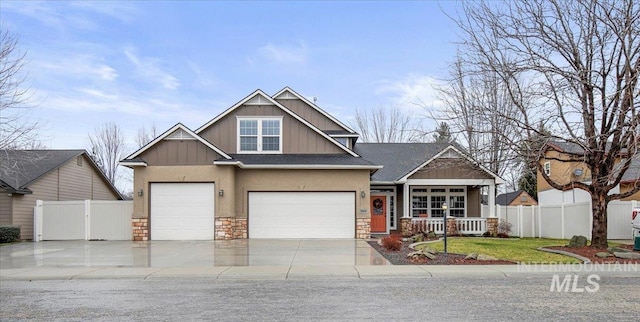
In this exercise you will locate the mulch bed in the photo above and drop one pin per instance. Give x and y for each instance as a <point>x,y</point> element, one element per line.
<point>590,253</point>
<point>400,257</point>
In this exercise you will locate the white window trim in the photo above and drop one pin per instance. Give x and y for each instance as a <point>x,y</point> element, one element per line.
<point>429,194</point>
<point>259,135</point>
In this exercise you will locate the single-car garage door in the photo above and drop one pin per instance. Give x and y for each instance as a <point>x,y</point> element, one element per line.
<point>302,215</point>
<point>182,211</point>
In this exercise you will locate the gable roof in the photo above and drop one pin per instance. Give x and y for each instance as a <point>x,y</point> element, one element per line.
<point>21,168</point>
<point>401,160</point>
<point>264,98</point>
<point>287,89</point>
<point>506,199</point>
<point>134,160</point>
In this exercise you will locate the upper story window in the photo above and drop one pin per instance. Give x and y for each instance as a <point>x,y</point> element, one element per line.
<point>547,168</point>
<point>259,135</point>
<point>343,141</point>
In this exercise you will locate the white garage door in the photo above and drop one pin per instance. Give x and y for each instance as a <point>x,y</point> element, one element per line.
<point>302,215</point>
<point>182,211</point>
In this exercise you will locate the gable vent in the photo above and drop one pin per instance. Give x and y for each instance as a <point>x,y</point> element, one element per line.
<point>286,96</point>
<point>259,100</point>
<point>179,135</point>
<point>450,155</point>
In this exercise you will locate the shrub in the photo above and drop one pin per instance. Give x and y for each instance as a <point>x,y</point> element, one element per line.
<point>504,227</point>
<point>391,242</point>
<point>503,235</point>
<point>9,234</point>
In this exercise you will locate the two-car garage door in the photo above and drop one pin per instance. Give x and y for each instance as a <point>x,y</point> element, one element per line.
<point>302,215</point>
<point>185,211</point>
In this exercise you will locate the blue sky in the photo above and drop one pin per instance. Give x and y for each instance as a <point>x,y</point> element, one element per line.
<point>150,62</point>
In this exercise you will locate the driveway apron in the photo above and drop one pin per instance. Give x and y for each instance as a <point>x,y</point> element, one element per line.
<point>245,252</point>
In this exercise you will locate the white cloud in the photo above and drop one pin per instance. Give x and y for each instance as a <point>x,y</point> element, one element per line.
<point>413,91</point>
<point>286,55</point>
<point>79,15</point>
<point>79,66</point>
<point>147,69</point>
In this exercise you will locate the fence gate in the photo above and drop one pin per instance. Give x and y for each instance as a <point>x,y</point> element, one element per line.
<point>82,220</point>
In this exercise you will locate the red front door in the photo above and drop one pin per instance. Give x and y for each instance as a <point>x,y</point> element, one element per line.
<point>378,206</point>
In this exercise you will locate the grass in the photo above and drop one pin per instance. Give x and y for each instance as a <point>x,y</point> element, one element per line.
<point>517,250</point>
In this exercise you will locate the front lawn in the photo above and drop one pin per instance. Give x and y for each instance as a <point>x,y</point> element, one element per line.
<point>517,250</point>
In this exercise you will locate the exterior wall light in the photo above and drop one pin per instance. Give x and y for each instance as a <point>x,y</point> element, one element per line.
<point>140,192</point>
<point>221,193</point>
<point>362,194</point>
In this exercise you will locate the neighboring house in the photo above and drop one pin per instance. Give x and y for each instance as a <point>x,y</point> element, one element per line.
<point>280,167</point>
<point>515,198</point>
<point>53,175</point>
<point>562,162</point>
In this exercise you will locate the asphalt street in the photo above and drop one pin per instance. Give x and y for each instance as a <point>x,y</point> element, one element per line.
<point>385,299</point>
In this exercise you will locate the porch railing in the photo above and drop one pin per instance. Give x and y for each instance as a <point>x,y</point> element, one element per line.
<point>463,225</point>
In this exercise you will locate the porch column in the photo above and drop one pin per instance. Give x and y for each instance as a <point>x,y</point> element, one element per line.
<point>492,200</point>
<point>406,201</point>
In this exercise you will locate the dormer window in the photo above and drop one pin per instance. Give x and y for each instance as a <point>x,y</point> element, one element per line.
<point>259,135</point>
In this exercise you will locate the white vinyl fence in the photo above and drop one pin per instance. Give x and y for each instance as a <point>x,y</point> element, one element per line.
<point>564,221</point>
<point>82,220</point>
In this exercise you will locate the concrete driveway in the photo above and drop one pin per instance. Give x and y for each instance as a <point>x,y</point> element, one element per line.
<point>247,252</point>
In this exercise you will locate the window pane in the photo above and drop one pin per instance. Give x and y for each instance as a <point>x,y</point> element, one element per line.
<point>456,212</point>
<point>271,143</point>
<point>248,127</point>
<point>249,144</point>
<point>271,127</point>
<point>436,213</point>
<point>437,201</point>
<point>438,190</point>
<point>456,202</point>
<point>456,190</point>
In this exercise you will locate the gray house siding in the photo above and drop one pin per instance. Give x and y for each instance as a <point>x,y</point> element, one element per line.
<point>69,182</point>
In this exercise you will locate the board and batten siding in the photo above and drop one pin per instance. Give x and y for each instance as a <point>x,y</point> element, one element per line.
<point>297,138</point>
<point>310,114</point>
<point>450,169</point>
<point>69,182</point>
<point>179,152</point>
<point>473,202</point>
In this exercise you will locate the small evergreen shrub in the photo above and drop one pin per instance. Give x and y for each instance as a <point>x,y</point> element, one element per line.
<point>9,234</point>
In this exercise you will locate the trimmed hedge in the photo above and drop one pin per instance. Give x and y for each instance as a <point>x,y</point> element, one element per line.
<point>9,234</point>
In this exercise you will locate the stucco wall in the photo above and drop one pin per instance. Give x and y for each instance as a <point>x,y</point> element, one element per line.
<point>302,180</point>
<point>222,176</point>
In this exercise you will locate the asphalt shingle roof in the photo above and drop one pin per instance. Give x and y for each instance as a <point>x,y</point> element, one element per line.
<point>19,168</point>
<point>507,198</point>
<point>398,158</point>
<point>300,159</point>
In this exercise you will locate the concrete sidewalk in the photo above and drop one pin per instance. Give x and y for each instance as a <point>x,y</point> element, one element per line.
<point>335,271</point>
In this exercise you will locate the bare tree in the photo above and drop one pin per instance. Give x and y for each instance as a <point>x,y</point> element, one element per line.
<point>387,124</point>
<point>107,148</point>
<point>580,59</point>
<point>474,101</point>
<point>17,129</point>
<point>145,135</point>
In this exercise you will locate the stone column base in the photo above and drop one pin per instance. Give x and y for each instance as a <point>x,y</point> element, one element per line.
<point>406,227</point>
<point>227,228</point>
<point>363,228</point>
<point>492,225</point>
<point>140,229</point>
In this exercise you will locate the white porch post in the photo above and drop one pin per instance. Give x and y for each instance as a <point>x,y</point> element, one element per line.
<point>405,201</point>
<point>492,200</point>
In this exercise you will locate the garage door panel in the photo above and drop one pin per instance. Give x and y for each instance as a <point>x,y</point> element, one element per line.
<point>301,215</point>
<point>182,211</point>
